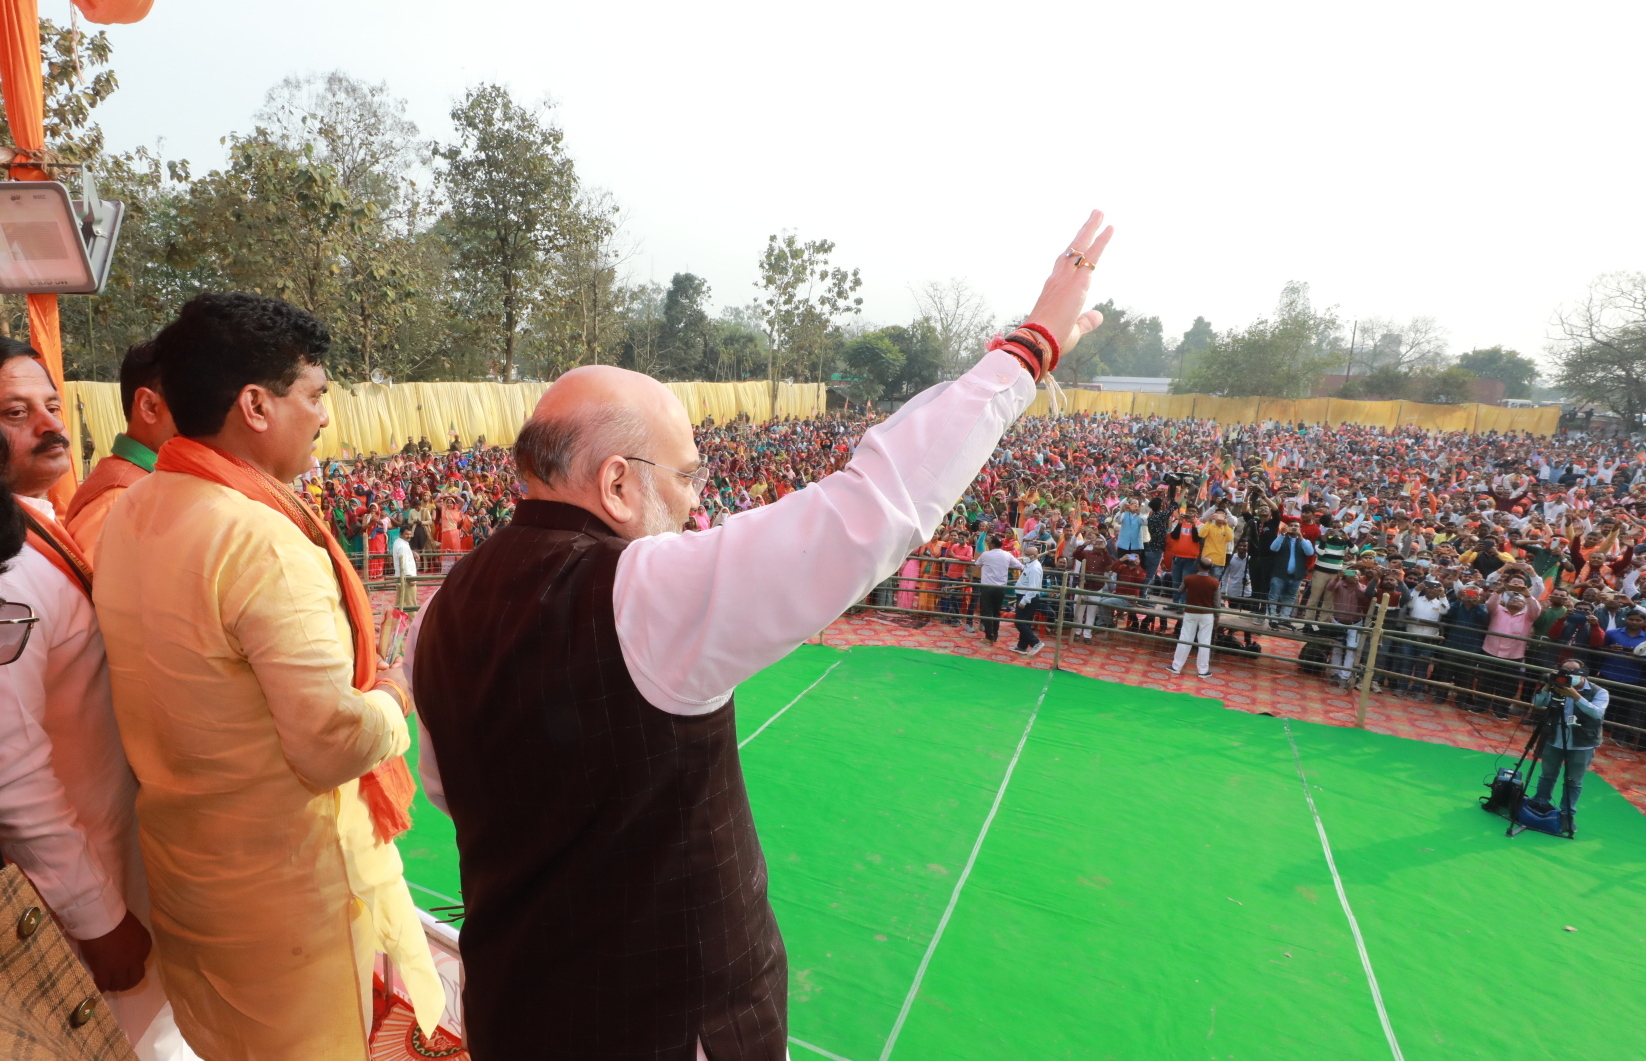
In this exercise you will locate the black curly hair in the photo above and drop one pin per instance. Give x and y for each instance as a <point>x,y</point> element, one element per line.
<point>222,343</point>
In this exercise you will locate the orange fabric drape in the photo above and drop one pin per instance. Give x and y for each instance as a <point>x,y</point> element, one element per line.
<point>110,12</point>
<point>21,82</point>
<point>388,789</point>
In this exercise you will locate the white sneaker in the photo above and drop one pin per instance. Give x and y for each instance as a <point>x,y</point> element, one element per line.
<point>1034,648</point>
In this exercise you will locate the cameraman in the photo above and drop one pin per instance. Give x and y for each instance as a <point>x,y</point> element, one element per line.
<point>1574,724</point>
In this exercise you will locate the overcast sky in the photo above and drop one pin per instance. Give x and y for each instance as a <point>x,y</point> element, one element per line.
<point>1479,163</point>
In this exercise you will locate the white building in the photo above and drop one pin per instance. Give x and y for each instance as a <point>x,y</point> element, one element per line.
<point>1140,384</point>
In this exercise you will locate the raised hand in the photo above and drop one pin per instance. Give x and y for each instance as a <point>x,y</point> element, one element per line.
<point>1059,309</point>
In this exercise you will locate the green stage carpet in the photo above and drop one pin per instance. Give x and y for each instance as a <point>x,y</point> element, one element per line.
<point>977,861</point>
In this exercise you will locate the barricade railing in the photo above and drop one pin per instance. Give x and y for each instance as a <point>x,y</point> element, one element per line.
<point>1376,641</point>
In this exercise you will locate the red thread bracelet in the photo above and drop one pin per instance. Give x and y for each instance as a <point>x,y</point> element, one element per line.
<point>1043,332</point>
<point>1030,359</point>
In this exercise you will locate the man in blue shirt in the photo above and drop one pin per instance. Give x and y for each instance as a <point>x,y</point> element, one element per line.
<point>1619,664</point>
<point>1575,708</point>
<point>1291,563</point>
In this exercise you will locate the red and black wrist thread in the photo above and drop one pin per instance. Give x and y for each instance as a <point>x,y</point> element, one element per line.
<point>1033,345</point>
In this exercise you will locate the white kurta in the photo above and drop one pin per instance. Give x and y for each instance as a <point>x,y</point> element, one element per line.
<point>67,796</point>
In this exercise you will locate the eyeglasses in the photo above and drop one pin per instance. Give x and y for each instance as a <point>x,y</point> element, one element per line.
<point>16,621</point>
<point>699,479</point>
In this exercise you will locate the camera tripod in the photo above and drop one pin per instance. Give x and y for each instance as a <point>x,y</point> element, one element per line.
<point>1508,788</point>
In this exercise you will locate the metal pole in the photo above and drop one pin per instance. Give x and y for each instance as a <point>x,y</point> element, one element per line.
<point>1368,663</point>
<point>1057,642</point>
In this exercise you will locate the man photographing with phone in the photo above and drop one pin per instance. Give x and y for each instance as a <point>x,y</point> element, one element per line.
<point>1575,708</point>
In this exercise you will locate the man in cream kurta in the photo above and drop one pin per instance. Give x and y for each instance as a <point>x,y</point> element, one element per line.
<point>229,652</point>
<point>233,664</point>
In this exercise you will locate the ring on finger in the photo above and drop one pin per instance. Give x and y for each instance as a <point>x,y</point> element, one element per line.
<point>1079,259</point>
<point>1085,263</point>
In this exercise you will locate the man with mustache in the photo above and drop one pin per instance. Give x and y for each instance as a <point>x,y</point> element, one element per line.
<point>70,825</point>
<point>266,741</point>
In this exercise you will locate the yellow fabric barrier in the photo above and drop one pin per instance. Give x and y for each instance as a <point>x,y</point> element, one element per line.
<point>1438,417</point>
<point>102,416</point>
<point>378,418</point>
<point>1277,409</point>
<point>1151,404</point>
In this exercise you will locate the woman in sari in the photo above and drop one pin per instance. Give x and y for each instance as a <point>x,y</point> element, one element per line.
<point>377,543</point>
<point>930,571</point>
<point>906,584</point>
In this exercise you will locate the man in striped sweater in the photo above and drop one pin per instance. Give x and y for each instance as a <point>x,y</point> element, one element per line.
<point>1329,552</point>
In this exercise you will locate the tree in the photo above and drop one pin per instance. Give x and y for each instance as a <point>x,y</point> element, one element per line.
<point>686,337</point>
<point>70,98</point>
<point>512,195</point>
<point>960,319</point>
<point>642,327</point>
<point>1445,386</point>
<point>358,129</point>
<point>1385,384</point>
<point>1191,349</point>
<point>150,277</point>
<point>923,356</point>
<point>803,296</point>
<point>1278,357</point>
<point>1381,342</point>
<point>275,221</point>
<point>740,343</point>
<point>580,319</point>
<point>1125,344</point>
<point>1517,373</point>
<point>874,361</point>
<point>1601,357</point>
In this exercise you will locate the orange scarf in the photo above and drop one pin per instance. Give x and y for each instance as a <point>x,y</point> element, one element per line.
<point>387,790</point>
<point>56,544</point>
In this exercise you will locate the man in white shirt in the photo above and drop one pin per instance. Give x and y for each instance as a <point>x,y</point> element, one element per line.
<point>575,677</point>
<point>68,817</point>
<point>1028,603</point>
<point>994,567</point>
<point>405,569</point>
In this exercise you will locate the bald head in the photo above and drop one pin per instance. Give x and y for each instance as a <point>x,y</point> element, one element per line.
<point>594,440</point>
<point>593,413</point>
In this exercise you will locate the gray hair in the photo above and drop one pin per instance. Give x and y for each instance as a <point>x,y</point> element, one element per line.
<point>563,450</point>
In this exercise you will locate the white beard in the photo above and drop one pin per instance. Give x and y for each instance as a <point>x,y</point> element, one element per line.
<point>655,517</point>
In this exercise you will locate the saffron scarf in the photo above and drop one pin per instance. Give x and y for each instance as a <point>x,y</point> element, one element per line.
<point>56,544</point>
<point>387,790</point>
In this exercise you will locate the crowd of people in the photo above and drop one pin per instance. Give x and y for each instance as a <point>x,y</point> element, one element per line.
<point>1497,557</point>
<point>1525,550</point>
<point>443,501</point>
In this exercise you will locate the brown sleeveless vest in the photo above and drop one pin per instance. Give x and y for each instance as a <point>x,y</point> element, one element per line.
<point>614,887</point>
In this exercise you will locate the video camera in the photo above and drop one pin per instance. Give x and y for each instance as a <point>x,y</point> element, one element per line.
<point>1507,789</point>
